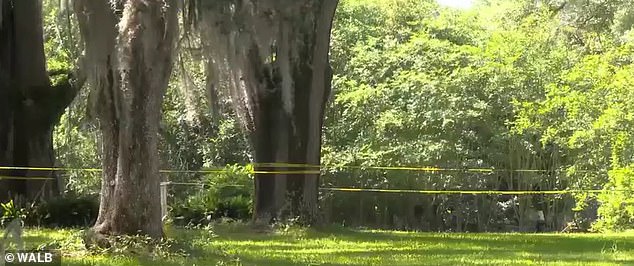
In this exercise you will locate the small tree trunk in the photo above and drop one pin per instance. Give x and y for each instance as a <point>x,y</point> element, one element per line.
<point>131,79</point>
<point>29,105</point>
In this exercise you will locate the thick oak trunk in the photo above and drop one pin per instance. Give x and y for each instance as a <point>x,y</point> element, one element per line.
<point>273,57</point>
<point>280,138</point>
<point>29,106</point>
<point>295,137</point>
<point>133,64</point>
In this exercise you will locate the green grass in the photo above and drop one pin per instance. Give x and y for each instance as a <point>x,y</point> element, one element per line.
<point>239,245</point>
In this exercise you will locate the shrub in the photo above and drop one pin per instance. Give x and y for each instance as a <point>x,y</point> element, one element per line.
<point>69,210</point>
<point>66,211</point>
<point>10,211</point>
<point>225,195</point>
<point>616,212</point>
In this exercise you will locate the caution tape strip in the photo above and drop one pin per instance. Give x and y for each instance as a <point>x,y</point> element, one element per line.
<point>283,165</point>
<point>219,170</point>
<point>461,192</point>
<point>195,184</point>
<point>49,168</point>
<point>471,192</point>
<point>408,168</point>
<point>26,178</point>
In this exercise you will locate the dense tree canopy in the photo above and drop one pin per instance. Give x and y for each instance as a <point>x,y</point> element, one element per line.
<point>529,95</point>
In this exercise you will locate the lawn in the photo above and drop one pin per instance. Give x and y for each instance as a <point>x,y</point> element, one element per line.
<point>239,245</point>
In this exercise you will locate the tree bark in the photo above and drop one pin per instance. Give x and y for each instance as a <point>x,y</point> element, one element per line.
<point>279,93</point>
<point>29,104</point>
<point>133,64</point>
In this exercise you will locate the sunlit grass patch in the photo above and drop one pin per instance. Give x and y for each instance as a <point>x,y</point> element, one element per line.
<point>240,245</point>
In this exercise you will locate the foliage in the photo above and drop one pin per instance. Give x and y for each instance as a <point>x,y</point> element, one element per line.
<point>75,139</point>
<point>68,211</point>
<point>226,194</point>
<point>11,212</point>
<point>443,95</point>
<point>617,205</point>
<point>587,110</point>
<point>143,247</point>
<point>508,85</point>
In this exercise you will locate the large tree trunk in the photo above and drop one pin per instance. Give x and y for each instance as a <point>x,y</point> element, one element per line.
<point>29,106</point>
<point>273,56</point>
<point>280,138</point>
<point>132,66</point>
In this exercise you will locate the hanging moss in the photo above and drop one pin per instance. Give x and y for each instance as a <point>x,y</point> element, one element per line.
<point>253,46</point>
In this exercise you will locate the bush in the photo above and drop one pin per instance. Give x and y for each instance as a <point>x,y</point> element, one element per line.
<point>616,212</point>
<point>66,211</point>
<point>69,210</point>
<point>225,195</point>
<point>10,211</point>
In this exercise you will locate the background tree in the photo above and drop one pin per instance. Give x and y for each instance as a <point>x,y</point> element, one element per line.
<point>273,57</point>
<point>29,103</point>
<point>442,91</point>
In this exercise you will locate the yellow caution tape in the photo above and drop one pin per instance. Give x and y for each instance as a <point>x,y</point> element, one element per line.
<point>287,172</point>
<point>210,170</point>
<point>404,168</point>
<point>496,192</point>
<point>49,169</point>
<point>26,178</point>
<point>206,171</point>
<point>168,183</point>
<point>462,192</point>
<point>290,165</point>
